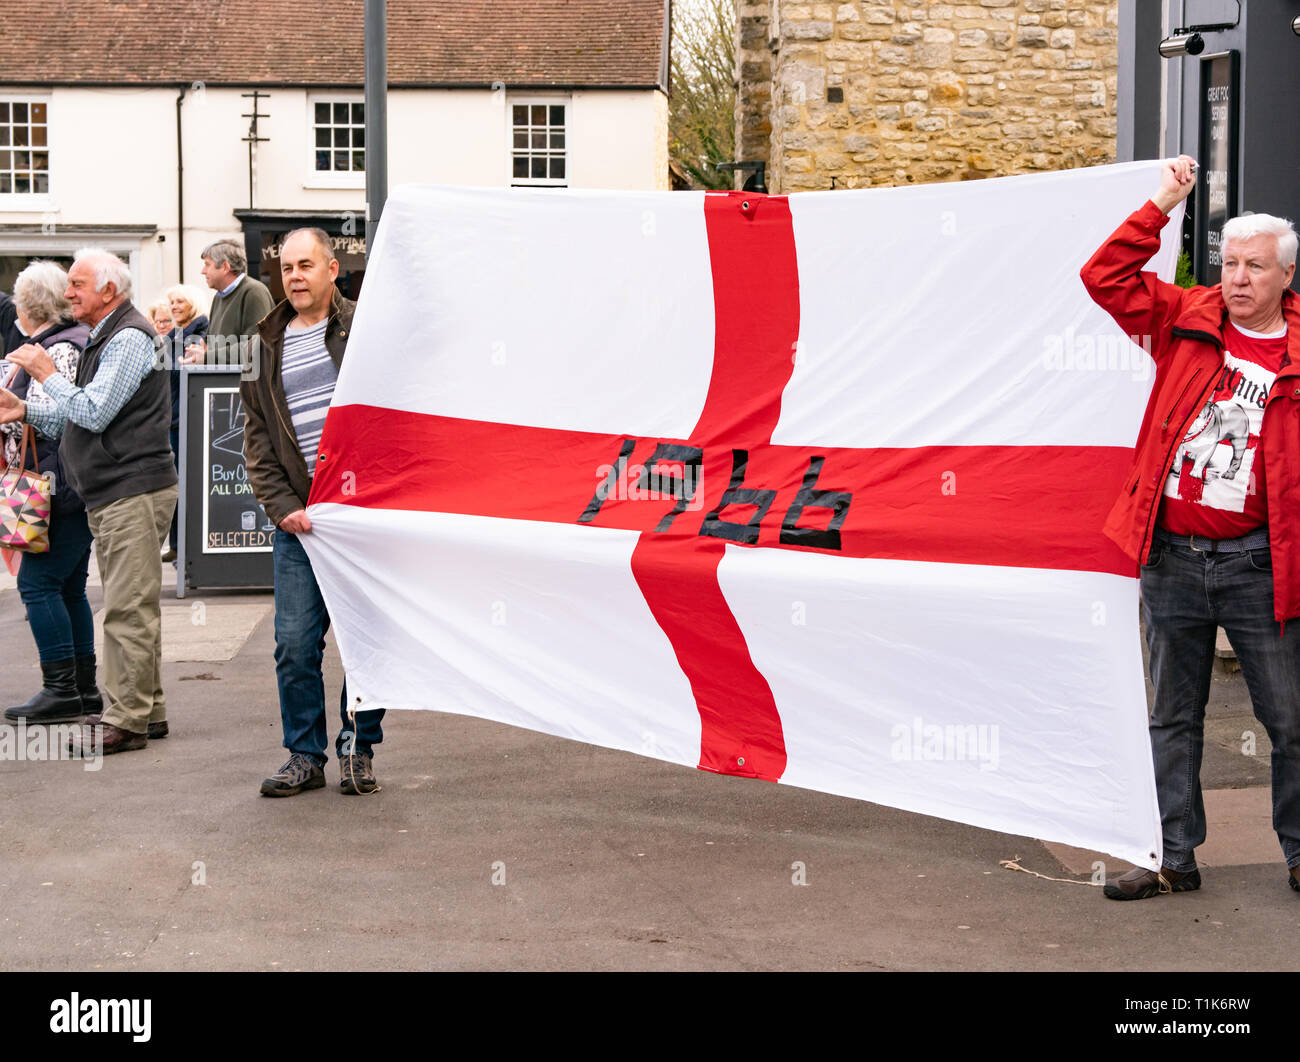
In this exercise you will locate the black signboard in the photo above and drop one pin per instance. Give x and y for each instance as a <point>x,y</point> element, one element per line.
<point>224,536</point>
<point>1216,186</point>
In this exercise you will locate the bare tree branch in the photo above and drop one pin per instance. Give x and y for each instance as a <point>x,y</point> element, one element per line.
<point>702,105</point>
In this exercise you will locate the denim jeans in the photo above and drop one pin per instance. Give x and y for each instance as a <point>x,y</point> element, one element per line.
<point>300,625</point>
<point>53,587</point>
<point>1186,594</point>
<point>176,463</point>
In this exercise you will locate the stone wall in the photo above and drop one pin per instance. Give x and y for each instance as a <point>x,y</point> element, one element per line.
<point>890,92</point>
<point>754,80</point>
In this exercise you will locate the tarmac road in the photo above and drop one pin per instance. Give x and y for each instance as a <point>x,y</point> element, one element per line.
<point>492,848</point>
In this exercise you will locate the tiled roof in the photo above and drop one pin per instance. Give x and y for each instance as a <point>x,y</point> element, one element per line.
<point>320,42</point>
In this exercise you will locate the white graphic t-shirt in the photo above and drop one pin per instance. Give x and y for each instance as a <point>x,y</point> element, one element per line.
<point>1215,485</point>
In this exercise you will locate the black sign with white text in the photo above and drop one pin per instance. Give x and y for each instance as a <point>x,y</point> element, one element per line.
<point>1216,187</point>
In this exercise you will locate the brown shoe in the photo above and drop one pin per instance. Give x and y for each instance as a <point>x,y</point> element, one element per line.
<point>156,732</point>
<point>1139,884</point>
<point>115,739</point>
<point>1293,878</point>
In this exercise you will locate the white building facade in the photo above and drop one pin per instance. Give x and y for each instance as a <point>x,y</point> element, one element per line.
<point>190,174</point>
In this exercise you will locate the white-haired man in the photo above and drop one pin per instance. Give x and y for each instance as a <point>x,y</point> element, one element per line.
<point>113,423</point>
<point>1211,507</point>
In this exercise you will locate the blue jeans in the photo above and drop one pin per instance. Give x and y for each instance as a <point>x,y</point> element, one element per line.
<point>175,434</point>
<point>300,625</point>
<point>1186,594</point>
<point>53,587</point>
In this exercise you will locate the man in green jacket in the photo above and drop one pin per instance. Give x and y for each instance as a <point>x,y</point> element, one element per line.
<point>238,307</point>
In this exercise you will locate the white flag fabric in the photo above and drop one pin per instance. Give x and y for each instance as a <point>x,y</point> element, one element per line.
<point>804,489</point>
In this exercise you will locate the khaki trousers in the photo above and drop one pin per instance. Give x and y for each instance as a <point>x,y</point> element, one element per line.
<point>128,537</point>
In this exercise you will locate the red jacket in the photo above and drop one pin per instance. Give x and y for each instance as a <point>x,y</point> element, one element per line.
<point>1186,329</point>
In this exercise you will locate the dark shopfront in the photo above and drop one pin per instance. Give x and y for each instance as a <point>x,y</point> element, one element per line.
<point>225,535</point>
<point>264,232</point>
<point>1228,100</point>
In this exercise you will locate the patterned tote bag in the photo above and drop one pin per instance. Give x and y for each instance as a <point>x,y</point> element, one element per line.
<point>25,502</point>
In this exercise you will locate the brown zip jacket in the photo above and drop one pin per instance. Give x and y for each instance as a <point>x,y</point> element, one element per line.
<point>276,468</point>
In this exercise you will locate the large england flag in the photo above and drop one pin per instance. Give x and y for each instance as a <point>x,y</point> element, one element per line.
<point>803,489</point>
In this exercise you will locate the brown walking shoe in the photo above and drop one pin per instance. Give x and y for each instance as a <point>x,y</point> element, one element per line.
<point>115,739</point>
<point>156,731</point>
<point>357,775</point>
<point>1139,884</point>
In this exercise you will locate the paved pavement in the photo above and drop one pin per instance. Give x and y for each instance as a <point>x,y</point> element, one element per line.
<point>497,848</point>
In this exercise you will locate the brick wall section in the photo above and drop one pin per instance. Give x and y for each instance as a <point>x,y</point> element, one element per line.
<point>936,92</point>
<point>754,81</point>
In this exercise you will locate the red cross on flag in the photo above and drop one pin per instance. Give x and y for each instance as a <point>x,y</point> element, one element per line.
<point>803,489</point>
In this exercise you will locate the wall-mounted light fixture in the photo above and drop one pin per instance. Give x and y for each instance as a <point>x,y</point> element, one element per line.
<point>1182,44</point>
<point>1187,40</point>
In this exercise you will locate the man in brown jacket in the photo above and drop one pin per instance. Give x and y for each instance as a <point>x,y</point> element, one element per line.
<point>302,342</point>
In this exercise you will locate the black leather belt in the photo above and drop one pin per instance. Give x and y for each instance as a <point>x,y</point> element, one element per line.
<point>1257,539</point>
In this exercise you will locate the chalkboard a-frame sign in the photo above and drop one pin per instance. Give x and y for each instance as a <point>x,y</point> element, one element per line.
<point>224,535</point>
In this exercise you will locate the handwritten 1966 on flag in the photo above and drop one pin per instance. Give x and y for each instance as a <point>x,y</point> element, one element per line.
<point>798,488</point>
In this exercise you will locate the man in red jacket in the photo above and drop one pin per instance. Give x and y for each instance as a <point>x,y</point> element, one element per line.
<point>1211,507</point>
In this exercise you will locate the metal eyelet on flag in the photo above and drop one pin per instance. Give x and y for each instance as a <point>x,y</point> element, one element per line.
<point>740,761</point>
<point>322,458</point>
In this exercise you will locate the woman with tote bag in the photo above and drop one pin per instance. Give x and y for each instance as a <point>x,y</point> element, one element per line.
<point>52,583</point>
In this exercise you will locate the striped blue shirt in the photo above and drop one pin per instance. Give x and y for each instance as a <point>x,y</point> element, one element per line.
<point>124,362</point>
<point>309,376</point>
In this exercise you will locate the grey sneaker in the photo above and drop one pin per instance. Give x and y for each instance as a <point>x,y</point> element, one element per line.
<point>357,774</point>
<point>298,773</point>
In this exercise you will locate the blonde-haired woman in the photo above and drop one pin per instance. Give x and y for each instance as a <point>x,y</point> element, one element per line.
<point>189,314</point>
<point>189,325</point>
<point>52,584</point>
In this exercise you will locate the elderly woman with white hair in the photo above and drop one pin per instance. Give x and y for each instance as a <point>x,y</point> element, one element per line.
<point>53,584</point>
<point>112,422</point>
<point>160,313</point>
